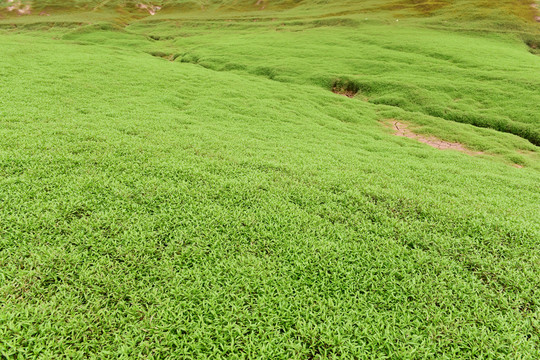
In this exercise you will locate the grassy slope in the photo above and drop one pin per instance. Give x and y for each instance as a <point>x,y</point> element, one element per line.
<point>240,209</point>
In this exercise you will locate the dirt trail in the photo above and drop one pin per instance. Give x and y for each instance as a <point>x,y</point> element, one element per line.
<point>401,129</point>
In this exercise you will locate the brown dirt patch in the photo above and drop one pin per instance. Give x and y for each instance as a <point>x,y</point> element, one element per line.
<point>401,129</point>
<point>19,8</point>
<point>344,92</point>
<point>152,9</point>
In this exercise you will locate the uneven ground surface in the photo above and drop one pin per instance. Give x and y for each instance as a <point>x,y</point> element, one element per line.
<point>402,129</point>
<point>223,179</point>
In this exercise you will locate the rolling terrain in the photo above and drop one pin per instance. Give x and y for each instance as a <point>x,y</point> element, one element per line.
<point>222,179</point>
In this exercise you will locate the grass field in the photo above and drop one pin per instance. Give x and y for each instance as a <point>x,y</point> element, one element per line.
<point>188,184</point>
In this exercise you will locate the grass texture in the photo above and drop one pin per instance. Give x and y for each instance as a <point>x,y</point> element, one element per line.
<point>188,186</point>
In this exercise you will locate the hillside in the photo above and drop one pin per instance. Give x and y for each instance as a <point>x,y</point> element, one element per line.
<point>223,179</point>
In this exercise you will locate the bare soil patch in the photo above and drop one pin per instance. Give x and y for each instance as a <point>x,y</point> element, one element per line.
<point>536,7</point>
<point>345,88</point>
<point>401,129</point>
<point>152,9</point>
<point>19,8</point>
<point>344,92</point>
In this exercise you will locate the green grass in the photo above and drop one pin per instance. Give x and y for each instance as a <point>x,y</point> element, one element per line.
<point>188,186</point>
